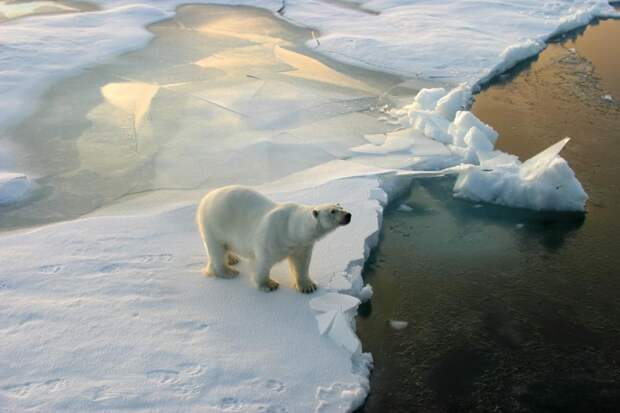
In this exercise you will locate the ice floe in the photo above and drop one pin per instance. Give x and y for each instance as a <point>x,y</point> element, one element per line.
<point>117,316</point>
<point>544,182</point>
<point>398,324</point>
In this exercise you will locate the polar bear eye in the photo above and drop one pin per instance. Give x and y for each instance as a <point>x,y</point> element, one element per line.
<point>333,211</point>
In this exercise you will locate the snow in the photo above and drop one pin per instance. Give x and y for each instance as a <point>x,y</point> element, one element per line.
<point>117,316</point>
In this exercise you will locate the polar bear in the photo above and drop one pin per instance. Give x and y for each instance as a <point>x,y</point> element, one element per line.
<point>238,221</point>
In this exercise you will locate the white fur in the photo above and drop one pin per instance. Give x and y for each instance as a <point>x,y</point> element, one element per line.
<point>236,220</point>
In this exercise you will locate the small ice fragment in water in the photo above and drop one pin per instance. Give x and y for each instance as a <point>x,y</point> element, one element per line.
<point>366,293</point>
<point>398,324</point>
<point>404,208</point>
<point>519,226</point>
<point>478,206</point>
<point>608,98</point>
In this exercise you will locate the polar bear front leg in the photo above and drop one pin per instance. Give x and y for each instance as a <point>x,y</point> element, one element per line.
<point>298,264</point>
<point>261,274</point>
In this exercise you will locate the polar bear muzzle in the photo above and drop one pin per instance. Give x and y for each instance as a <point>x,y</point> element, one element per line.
<point>346,219</point>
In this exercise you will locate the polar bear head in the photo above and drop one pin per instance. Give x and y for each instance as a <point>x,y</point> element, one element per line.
<point>331,216</point>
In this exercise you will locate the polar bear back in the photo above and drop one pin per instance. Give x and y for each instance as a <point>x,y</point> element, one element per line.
<point>233,214</point>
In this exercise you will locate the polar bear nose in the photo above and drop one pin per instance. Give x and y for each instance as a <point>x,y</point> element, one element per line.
<point>347,218</point>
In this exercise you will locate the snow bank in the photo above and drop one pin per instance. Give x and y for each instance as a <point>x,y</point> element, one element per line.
<point>116,315</point>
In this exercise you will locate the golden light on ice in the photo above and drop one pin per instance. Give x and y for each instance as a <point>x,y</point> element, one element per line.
<point>268,49</point>
<point>10,10</point>
<point>252,29</point>
<point>257,55</point>
<point>132,97</point>
<point>311,69</point>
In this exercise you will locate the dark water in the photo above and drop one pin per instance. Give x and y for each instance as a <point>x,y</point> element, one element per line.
<point>510,310</point>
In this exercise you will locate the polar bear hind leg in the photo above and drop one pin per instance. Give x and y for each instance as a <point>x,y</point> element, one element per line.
<point>218,258</point>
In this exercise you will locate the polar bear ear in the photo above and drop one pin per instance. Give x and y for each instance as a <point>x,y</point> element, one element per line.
<point>315,213</point>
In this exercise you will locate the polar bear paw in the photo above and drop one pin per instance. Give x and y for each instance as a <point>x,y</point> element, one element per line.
<point>269,285</point>
<point>232,259</point>
<point>226,272</point>
<point>306,286</point>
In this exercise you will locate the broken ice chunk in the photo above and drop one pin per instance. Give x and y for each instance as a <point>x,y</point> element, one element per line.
<point>466,120</point>
<point>339,282</point>
<point>342,334</point>
<point>544,182</point>
<point>325,321</point>
<point>398,324</point>
<point>536,166</point>
<point>379,195</point>
<point>366,293</point>
<point>404,208</point>
<point>427,99</point>
<point>497,159</point>
<point>334,301</point>
<point>477,140</point>
<point>454,101</point>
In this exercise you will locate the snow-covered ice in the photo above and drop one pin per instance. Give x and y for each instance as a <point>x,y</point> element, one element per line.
<point>112,313</point>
